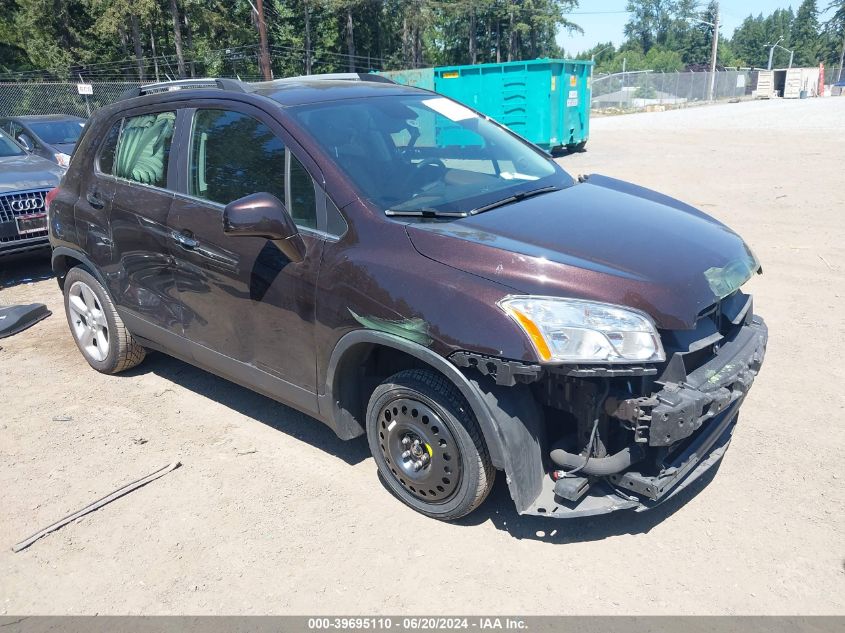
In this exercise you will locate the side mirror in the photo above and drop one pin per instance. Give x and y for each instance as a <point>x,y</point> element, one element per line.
<point>264,215</point>
<point>26,142</point>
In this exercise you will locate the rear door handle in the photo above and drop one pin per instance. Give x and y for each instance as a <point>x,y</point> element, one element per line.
<point>94,201</point>
<point>185,241</point>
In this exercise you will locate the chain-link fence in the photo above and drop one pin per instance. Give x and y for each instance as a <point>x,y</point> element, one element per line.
<point>642,89</point>
<point>57,98</point>
<point>636,90</point>
<point>832,74</point>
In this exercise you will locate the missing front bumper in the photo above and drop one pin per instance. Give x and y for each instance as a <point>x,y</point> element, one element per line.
<point>607,495</point>
<point>689,422</point>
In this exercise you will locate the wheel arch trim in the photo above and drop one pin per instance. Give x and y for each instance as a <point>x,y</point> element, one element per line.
<point>364,338</point>
<point>510,419</point>
<point>71,253</point>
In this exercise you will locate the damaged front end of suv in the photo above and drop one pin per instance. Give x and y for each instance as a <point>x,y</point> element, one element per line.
<point>631,435</point>
<point>638,386</point>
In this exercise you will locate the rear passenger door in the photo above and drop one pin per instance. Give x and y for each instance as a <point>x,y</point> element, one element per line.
<point>248,310</point>
<point>144,177</point>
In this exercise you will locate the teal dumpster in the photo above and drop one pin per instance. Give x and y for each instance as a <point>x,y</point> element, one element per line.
<point>417,77</point>
<point>546,101</point>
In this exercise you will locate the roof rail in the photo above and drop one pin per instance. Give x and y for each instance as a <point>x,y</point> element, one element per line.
<point>339,76</point>
<point>232,85</point>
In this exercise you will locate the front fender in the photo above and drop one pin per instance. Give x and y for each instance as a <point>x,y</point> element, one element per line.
<point>511,421</point>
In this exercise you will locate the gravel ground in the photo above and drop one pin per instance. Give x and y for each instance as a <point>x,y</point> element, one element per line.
<point>270,513</point>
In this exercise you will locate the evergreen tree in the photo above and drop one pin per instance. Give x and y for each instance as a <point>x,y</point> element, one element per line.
<point>805,35</point>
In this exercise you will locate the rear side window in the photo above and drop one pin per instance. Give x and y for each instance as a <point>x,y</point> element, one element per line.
<point>144,148</point>
<point>232,156</point>
<point>105,161</point>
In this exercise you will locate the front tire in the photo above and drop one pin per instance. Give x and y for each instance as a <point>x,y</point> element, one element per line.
<point>96,327</point>
<point>427,445</point>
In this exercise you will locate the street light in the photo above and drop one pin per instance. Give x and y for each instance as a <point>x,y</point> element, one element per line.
<point>772,52</point>
<point>594,55</point>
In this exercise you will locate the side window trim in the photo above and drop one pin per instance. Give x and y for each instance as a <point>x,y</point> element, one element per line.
<point>101,145</point>
<point>182,143</point>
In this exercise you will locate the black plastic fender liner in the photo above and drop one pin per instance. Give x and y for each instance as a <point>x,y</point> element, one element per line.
<point>518,419</point>
<point>599,466</point>
<point>349,347</point>
<point>14,319</point>
<point>510,418</point>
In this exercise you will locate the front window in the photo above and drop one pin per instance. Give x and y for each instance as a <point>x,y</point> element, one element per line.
<point>8,147</point>
<point>58,132</point>
<point>234,155</point>
<point>426,153</point>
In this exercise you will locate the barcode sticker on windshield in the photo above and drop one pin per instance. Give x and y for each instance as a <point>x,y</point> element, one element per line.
<point>450,109</point>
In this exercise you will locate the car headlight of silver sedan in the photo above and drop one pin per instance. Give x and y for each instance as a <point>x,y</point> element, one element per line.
<point>578,331</point>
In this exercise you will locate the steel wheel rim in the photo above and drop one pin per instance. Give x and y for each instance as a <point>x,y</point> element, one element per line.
<point>419,449</point>
<point>88,321</point>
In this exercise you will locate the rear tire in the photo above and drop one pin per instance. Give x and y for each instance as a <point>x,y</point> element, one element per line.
<point>447,471</point>
<point>98,330</point>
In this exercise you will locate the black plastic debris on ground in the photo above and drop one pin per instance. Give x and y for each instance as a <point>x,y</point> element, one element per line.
<point>14,319</point>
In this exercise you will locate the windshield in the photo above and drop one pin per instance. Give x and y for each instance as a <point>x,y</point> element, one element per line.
<point>56,132</point>
<point>412,153</point>
<point>8,147</point>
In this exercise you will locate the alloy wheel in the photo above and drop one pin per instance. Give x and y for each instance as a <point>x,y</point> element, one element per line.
<point>88,321</point>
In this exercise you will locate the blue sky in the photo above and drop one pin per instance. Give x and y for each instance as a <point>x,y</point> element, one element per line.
<point>604,20</point>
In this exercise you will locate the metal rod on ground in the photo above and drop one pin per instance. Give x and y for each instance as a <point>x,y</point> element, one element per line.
<point>96,505</point>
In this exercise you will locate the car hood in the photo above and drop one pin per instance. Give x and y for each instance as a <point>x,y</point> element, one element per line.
<point>604,240</point>
<point>64,148</point>
<point>28,172</point>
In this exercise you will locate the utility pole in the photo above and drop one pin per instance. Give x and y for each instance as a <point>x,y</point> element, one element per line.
<point>264,52</point>
<point>713,53</point>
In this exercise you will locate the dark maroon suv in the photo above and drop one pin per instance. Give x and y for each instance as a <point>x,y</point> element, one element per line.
<point>393,263</point>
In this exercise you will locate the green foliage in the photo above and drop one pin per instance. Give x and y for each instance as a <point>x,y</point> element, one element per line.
<point>684,27</point>
<point>752,39</point>
<point>805,34</point>
<point>114,39</point>
<point>658,59</point>
<point>676,26</point>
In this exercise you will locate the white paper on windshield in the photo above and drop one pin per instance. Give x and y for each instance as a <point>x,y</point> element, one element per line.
<point>451,110</point>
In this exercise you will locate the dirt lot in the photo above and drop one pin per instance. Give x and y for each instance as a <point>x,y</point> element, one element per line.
<point>272,514</point>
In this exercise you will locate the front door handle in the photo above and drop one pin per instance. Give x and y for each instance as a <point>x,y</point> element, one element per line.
<point>184,240</point>
<point>94,201</point>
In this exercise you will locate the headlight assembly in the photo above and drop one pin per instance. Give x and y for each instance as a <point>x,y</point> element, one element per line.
<point>577,331</point>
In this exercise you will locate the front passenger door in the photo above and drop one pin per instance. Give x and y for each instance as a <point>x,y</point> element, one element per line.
<point>242,299</point>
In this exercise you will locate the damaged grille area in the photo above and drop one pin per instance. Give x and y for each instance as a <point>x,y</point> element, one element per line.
<point>708,368</point>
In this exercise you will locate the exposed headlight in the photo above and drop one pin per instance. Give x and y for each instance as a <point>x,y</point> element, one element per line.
<point>576,331</point>
<point>62,159</point>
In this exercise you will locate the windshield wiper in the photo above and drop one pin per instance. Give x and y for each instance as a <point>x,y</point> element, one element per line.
<point>514,198</point>
<point>426,213</point>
